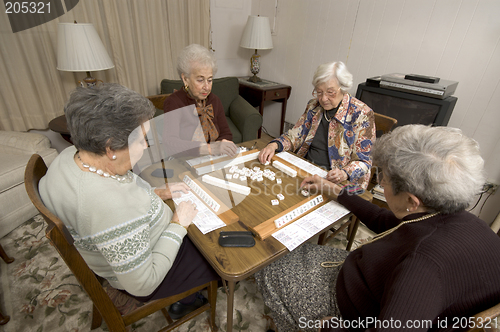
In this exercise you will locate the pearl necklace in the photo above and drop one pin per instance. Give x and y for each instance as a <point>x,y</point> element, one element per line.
<point>127,178</point>
<point>381,235</point>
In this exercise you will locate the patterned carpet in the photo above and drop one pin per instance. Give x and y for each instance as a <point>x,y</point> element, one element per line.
<point>39,293</point>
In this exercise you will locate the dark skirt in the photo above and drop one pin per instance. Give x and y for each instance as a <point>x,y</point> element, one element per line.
<point>298,290</point>
<point>190,269</point>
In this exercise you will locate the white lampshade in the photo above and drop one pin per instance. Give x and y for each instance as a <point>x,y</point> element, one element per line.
<point>257,34</point>
<point>79,48</point>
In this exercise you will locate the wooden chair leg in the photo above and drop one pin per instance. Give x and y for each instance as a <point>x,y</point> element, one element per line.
<point>167,316</point>
<point>322,238</point>
<point>212,299</point>
<point>4,256</point>
<point>96,318</point>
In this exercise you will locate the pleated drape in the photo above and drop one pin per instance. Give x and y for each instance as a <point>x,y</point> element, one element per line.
<point>143,38</point>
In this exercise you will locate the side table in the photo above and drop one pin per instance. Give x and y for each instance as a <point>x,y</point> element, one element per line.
<point>257,93</point>
<point>8,260</point>
<point>60,126</point>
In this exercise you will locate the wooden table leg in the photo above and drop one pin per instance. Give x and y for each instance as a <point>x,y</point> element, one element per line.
<point>4,256</point>
<point>283,111</point>
<point>230,305</point>
<point>261,111</point>
<point>353,229</point>
<point>3,319</point>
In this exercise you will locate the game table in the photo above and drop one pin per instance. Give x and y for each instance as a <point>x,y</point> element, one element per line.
<point>241,212</point>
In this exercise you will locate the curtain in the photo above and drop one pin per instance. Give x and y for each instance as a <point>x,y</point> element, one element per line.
<point>143,38</point>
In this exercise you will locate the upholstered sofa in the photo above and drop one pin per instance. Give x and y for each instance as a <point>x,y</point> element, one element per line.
<point>243,119</point>
<point>16,149</point>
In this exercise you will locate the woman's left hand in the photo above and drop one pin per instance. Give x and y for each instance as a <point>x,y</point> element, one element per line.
<point>169,191</point>
<point>336,175</point>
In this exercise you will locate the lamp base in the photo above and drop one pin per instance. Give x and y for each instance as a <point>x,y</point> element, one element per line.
<point>255,79</point>
<point>89,81</point>
<point>255,67</point>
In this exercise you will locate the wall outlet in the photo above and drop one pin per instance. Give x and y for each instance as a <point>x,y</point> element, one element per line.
<point>490,188</point>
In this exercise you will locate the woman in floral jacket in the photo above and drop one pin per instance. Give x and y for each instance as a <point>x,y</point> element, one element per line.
<point>336,131</point>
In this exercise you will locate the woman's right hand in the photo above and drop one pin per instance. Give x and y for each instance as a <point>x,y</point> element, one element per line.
<point>224,147</point>
<point>185,213</point>
<point>267,153</point>
<point>316,184</point>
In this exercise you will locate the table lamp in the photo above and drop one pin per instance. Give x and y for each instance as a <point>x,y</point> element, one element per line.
<point>257,36</point>
<point>79,48</point>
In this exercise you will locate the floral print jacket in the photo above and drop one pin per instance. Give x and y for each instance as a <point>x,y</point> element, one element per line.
<point>351,135</point>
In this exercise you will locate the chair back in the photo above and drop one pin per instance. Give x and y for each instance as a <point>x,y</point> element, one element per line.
<point>487,319</point>
<point>158,101</point>
<point>103,306</point>
<point>384,123</point>
<point>63,242</point>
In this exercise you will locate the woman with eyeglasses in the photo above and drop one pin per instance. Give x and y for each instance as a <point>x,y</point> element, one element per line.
<point>202,127</point>
<point>336,131</point>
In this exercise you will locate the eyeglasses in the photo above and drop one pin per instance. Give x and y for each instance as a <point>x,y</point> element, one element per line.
<point>330,93</point>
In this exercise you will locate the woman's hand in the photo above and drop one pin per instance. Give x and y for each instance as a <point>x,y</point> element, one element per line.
<point>171,190</point>
<point>184,214</point>
<point>316,184</point>
<point>336,175</point>
<point>267,153</point>
<point>223,147</point>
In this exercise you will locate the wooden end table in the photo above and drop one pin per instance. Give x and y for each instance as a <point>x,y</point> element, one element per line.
<point>257,93</point>
<point>60,126</point>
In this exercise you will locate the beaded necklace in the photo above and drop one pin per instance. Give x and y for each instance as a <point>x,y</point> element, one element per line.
<point>127,178</point>
<point>381,235</point>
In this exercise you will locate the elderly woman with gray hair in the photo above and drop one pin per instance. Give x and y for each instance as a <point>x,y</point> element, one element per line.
<point>121,226</point>
<point>202,128</point>
<point>336,131</point>
<point>432,265</point>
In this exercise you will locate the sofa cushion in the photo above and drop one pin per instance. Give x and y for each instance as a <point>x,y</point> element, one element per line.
<point>12,167</point>
<point>15,205</point>
<point>12,170</point>
<point>13,142</point>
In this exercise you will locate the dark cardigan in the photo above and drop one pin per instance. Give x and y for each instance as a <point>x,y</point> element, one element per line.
<point>438,269</point>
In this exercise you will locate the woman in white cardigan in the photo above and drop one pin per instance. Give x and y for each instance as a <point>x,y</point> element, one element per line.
<point>121,226</point>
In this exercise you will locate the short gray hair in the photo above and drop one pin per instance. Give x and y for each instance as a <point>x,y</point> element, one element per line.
<point>195,54</point>
<point>333,70</point>
<point>439,165</point>
<point>105,116</point>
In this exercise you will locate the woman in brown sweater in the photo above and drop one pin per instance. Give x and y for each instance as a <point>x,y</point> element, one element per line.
<point>431,267</point>
<point>194,119</point>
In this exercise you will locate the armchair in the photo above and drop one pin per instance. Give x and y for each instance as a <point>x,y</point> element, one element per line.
<point>243,119</point>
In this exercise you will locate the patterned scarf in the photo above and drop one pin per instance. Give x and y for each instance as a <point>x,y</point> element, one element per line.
<point>206,114</point>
